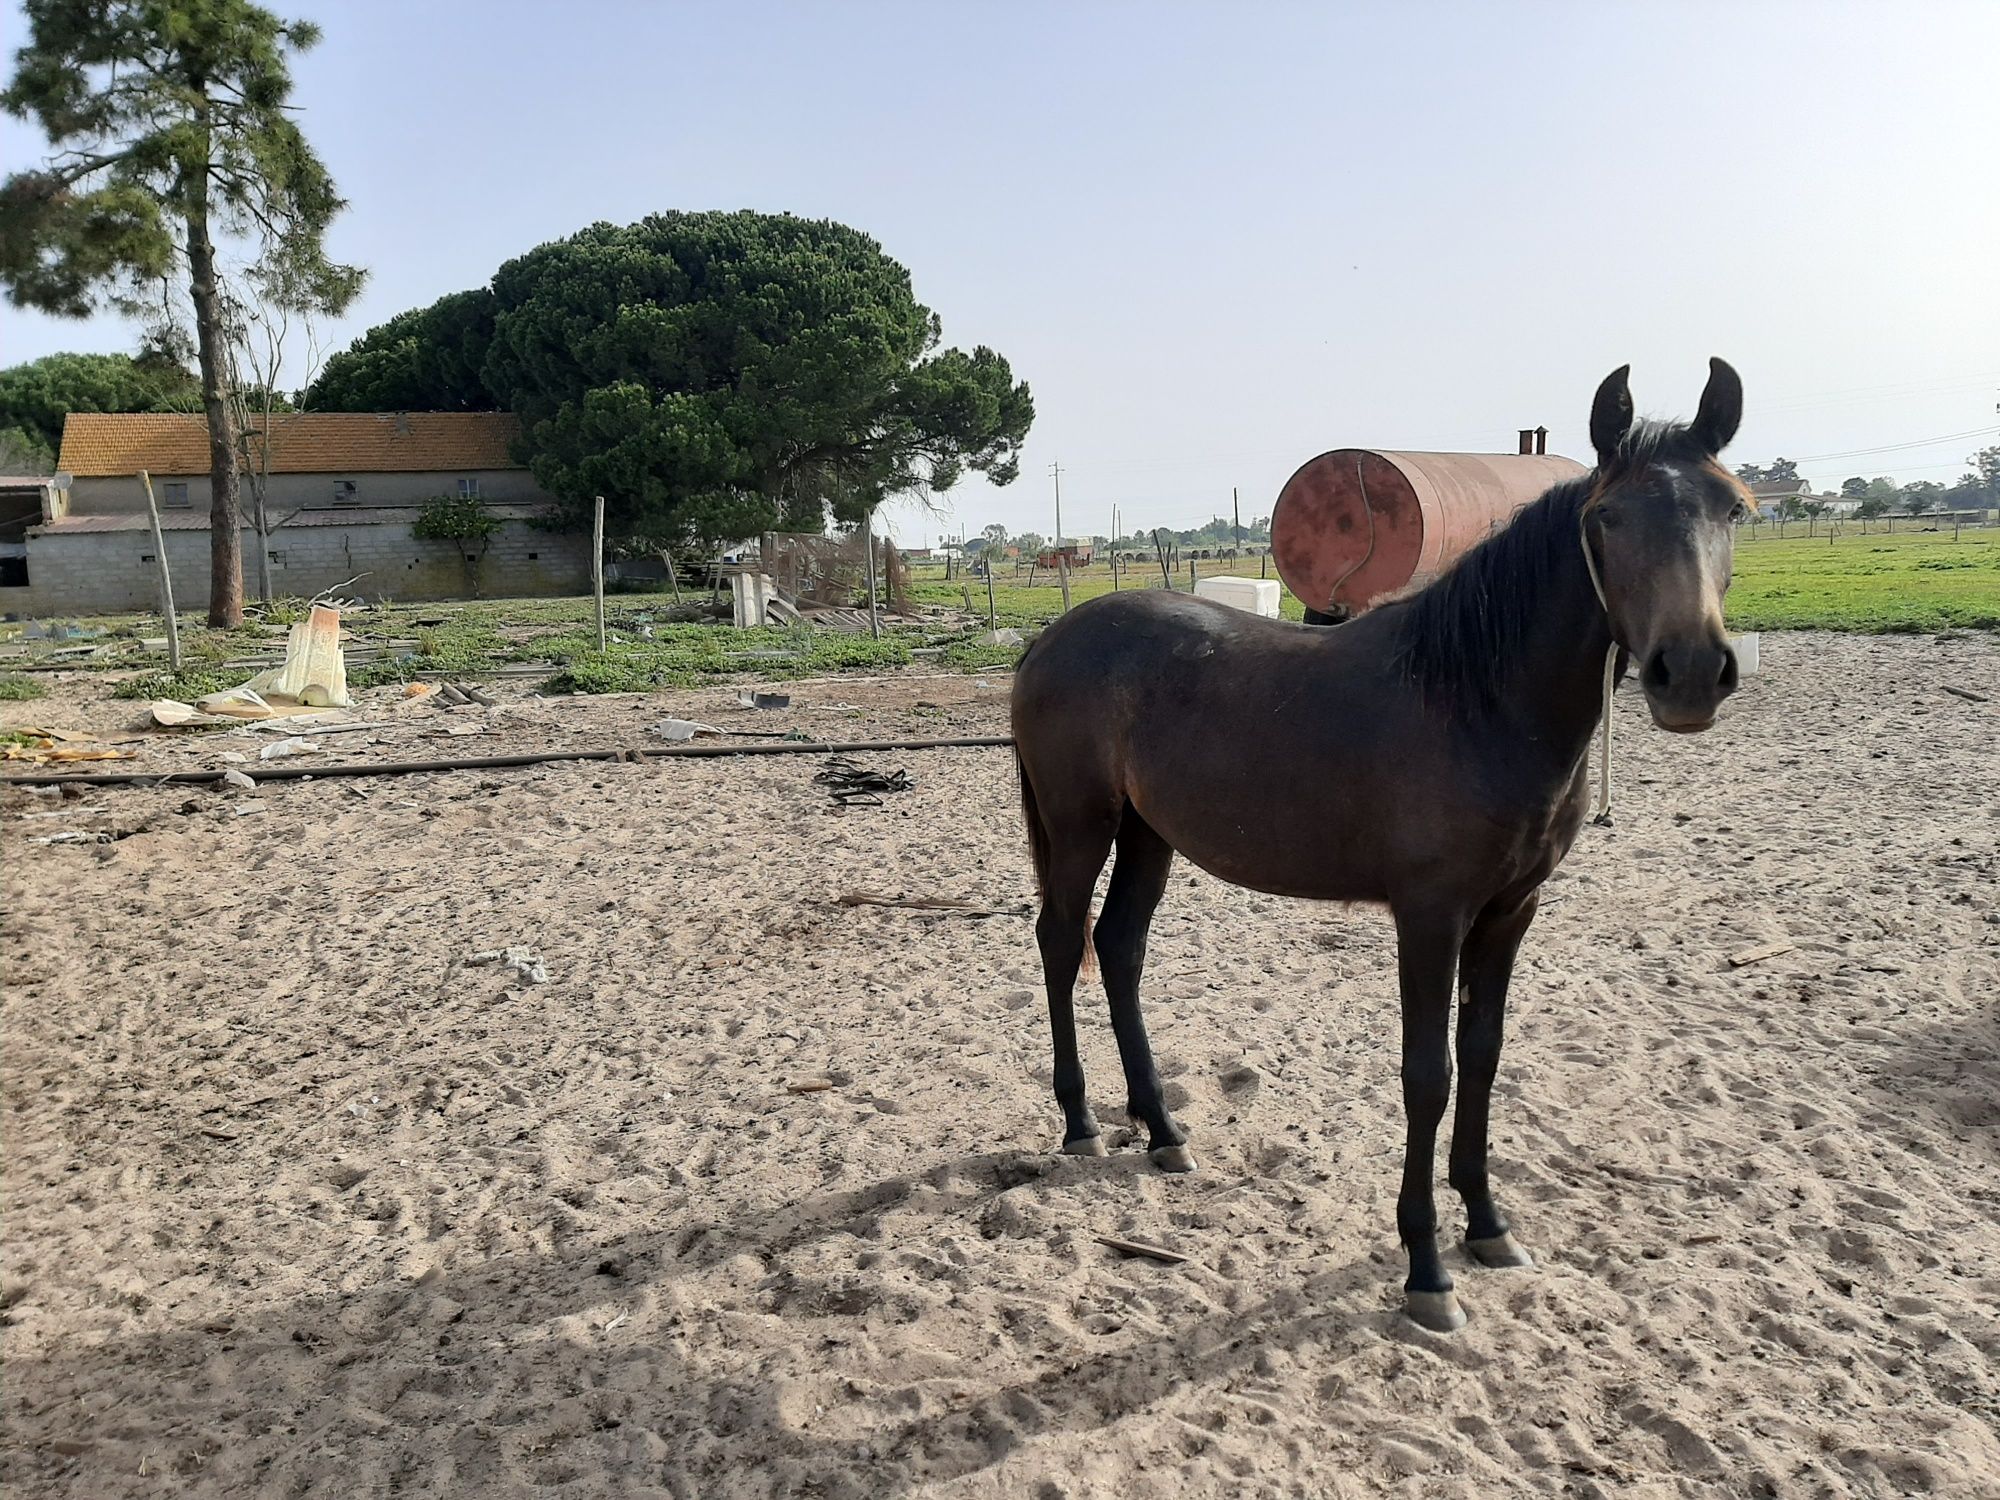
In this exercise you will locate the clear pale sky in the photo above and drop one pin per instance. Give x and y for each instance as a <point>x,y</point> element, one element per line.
<point>1218,239</point>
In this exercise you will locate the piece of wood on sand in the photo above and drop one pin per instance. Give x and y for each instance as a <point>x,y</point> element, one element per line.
<point>1159,1253</point>
<point>1758,954</point>
<point>1966,693</point>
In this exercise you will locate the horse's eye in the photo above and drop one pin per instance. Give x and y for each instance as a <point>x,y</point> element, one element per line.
<point>1738,511</point>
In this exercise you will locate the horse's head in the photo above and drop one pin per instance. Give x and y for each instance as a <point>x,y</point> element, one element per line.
<point>1659,526</point>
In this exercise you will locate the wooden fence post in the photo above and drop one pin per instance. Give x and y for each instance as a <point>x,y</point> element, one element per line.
<point>868,544</point>
<point>1062,571</point>
<point>166,577</point>
<point>597,570</point>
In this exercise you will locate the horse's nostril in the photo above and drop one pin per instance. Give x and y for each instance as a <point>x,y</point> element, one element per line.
<point>1656,675</point>
<point>1728,676</point>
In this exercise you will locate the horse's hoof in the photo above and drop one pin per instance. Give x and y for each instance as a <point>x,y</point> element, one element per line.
<point>1500,1251</point>
<point>1437,1311</point>
<point>1086,1145</point>
<point>1173,1158</point>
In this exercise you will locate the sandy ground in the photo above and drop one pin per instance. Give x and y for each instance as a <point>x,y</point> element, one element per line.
<point>300,1201</point>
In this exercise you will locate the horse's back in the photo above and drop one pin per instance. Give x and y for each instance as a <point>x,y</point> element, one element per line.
<point>1118,641</point>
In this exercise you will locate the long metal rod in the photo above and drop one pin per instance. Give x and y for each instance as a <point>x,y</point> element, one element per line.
<point>501,762</point>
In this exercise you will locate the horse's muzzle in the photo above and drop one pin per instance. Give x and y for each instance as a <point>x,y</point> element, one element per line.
<point>1685,683</point>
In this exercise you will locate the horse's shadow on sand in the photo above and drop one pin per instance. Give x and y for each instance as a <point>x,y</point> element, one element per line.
<point>450,1385</point>
<point>1953,1071</point>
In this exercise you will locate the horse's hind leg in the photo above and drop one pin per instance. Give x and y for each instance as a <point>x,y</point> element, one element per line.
<point>1138,880</point>
<point>1075,857</point>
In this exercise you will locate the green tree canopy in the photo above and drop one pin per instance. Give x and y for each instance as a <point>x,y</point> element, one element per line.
<point>1921,496</point>
<point>37,396</point>
<point>171,127</point>
<point>1854,488</point>
<point>1986,472</point>
<point>712,375</point>
<point>427,359</point>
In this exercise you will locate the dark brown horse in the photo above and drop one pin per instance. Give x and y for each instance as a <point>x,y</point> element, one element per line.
<point>1430,755</point>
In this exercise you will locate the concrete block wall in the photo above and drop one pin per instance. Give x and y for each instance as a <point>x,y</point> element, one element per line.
<point>113,572</point>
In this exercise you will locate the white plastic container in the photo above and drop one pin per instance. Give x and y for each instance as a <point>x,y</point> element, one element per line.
<point>1745,647</point>
<point>1257,596</point>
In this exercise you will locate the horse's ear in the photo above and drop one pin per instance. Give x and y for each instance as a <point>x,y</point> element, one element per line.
<point>1721,410</point>
<point>1611,412</point>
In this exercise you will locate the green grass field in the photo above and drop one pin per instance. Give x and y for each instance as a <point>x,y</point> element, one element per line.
<point>1874,584</point>
<point>1909,582</point>
<point>1913,581</point>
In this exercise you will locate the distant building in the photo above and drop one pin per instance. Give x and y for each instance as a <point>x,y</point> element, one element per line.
<point>344,489</point>
<point>1766,495</point>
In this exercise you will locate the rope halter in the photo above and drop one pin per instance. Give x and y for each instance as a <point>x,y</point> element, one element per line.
<point>1602,816</point>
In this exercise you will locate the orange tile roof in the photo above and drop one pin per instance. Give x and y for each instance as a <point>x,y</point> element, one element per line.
<point>114,444</point>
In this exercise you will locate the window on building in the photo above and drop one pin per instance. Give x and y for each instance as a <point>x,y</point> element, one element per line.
<point>344,492</point>
<point>14,571</point>
<point>174,494</point>
<point>468,488</point>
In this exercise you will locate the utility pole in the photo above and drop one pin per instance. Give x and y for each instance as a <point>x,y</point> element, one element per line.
<point>1055,469</point>
<point>1236,518</point>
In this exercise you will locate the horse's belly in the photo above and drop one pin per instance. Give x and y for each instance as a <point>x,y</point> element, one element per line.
<point>1256,843</point>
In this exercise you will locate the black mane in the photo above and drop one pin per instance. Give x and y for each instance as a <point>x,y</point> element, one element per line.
<point>1459,635</point>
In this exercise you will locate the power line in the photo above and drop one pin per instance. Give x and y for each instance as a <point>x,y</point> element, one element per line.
<point>1949,437</point>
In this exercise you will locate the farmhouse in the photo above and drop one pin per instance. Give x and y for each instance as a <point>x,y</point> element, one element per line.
<point>344,490</point>
<point>1768,495</point>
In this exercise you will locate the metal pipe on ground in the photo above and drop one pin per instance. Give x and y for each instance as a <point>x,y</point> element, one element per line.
<point>502,762</point>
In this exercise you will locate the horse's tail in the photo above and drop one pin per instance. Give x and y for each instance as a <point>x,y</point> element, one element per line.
<point>1038,836</point>
<point>1038,850</point>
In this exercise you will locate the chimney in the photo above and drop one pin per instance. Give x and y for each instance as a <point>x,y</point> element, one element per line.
<point>1541,440</point>
<point>1527,440</point>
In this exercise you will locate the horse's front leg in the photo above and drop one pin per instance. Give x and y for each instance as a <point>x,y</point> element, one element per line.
<point>1486,964</point>
<point>1427,946</point>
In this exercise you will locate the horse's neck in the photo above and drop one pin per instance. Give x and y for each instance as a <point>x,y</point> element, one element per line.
<point>1555,692</point>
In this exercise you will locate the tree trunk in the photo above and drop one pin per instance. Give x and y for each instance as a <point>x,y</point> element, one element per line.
<point>260,522</point>
<point>225,517</point>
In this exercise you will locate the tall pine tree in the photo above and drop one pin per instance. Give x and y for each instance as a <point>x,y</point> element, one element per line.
<point>170,128</point>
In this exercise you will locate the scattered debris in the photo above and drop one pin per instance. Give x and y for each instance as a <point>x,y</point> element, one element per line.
<point>41,749</point>
<point>930,903</point>
<point>616,1321</point>
<point>764,700</point>
<point>286,748</point>
<point>314,672</point>
<point>76,836</point>
<point>236,779</point>
<point>1759,954</point>
<point>1966,693</point>
<point>809,1086</point>
<point>682,729</point>
<point>856,786</point>
<point>522,961</point>
<point>1150,1252</point>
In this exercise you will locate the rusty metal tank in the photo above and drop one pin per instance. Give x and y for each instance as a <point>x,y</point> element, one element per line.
<point>1358,523</point>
